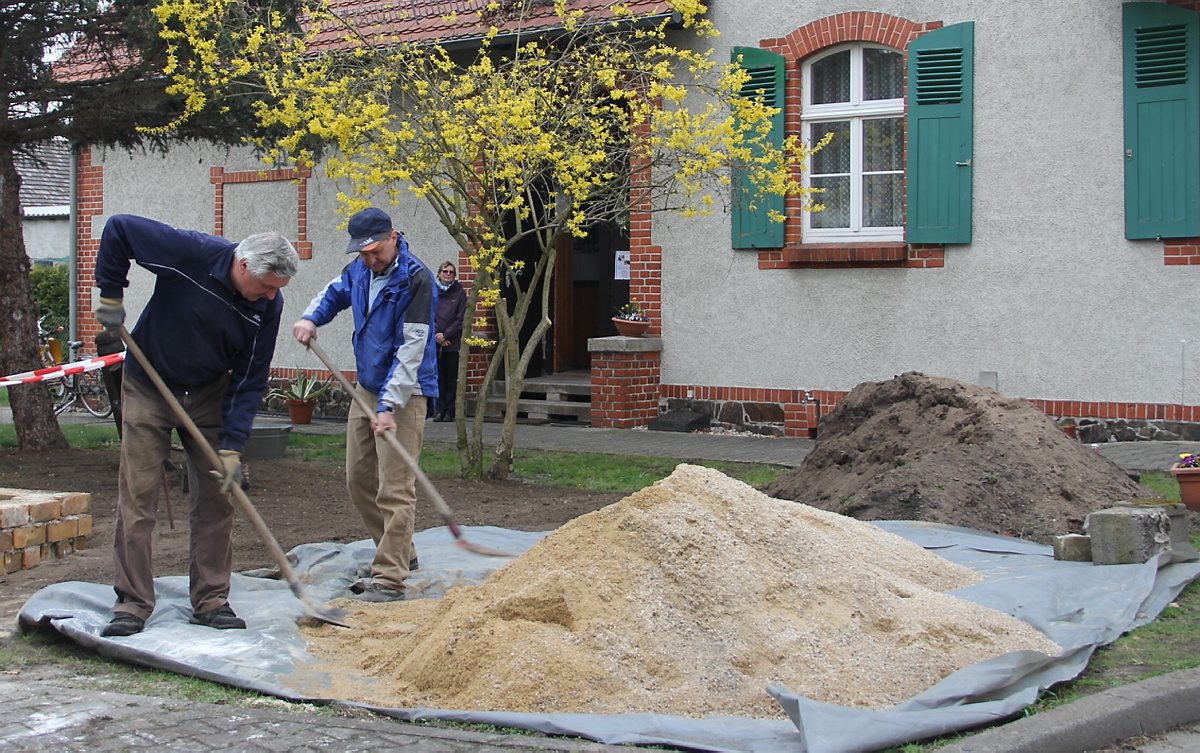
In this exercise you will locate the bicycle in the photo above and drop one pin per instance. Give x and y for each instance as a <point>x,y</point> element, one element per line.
<point>50,349</point>
<point>86,388</point>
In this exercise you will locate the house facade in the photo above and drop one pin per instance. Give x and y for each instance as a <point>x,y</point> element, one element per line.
<point>1012,198</point>
<point>46,202</point>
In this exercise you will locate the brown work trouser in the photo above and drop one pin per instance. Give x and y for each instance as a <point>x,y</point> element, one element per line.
<point>382,487</point>
<point>146,423</point>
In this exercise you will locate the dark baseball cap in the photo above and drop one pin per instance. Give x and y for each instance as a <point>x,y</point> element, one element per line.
<point>368,227</point>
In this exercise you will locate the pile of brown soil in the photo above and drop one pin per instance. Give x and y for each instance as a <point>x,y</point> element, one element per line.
<point>687,597</point>
<point>926,448</point>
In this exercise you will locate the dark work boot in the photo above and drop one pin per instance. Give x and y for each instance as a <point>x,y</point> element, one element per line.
<point>221,618</point>
<point>122,625</point>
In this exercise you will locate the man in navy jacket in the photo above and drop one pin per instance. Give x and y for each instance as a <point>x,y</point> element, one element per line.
<point>209,330</point>
<point>393,298</point>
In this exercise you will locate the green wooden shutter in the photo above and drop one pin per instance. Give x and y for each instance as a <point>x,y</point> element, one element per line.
<point>1162,121</point>
<point>752,226</point>
<point>940,73</point>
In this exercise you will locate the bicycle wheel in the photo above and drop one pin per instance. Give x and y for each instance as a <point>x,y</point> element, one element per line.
<point>92,394</point>
<point>60,393</point>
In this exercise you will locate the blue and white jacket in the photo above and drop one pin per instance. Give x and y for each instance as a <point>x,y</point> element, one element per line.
<point>196,328</point>
<point>394,347</point>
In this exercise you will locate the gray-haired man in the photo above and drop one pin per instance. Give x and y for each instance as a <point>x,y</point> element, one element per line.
<point>209,330</point>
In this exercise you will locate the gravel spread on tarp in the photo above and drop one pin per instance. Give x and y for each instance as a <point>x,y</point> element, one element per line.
<point>687,598</point>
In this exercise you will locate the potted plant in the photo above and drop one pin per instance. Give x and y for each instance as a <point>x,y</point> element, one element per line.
<point>1187,473</point>
<point>630,320</point>
<point>301,396</point>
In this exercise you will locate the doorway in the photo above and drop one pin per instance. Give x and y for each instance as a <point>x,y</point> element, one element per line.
<point>587,292</point>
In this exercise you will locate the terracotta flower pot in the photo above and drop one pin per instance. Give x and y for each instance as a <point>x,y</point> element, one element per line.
<point>630,327</point>
<point>301,411</point>
<point>1189,486</point>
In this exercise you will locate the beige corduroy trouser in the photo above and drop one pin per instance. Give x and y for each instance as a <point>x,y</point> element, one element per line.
<point>382,487</point>
<point>146,424</point>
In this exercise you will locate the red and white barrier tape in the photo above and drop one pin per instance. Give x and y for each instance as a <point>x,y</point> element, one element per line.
<point>62,370</point>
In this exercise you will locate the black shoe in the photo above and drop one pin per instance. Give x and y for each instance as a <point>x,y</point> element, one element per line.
<point>221,618</point>
<point>413,564</point>
<point>379,593</point>
<point>123,624</point>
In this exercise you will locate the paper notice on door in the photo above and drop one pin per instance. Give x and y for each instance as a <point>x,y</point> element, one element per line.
<point>621,265</point>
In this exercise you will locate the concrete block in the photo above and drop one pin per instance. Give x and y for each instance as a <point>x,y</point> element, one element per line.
<point>1181,544</point>
<point>85,525</point>
<point>1128,535</point>
<point>1073,547</point>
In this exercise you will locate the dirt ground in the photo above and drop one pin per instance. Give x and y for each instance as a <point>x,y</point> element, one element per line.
<point>917,447</point>
<point>301,501</point>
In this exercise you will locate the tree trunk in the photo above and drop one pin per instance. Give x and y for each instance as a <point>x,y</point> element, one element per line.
<point>33,414</point>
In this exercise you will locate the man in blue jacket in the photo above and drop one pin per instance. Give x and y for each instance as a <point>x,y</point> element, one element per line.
<point>393,298</point>
<point>209,330</point>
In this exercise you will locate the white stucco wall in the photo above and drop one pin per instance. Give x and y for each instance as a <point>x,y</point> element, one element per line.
<point>47,237</point>
<point>176,189</point>
<point>1049,294</point>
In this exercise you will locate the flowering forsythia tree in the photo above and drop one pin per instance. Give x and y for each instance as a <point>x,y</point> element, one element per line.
<point>532,134</point>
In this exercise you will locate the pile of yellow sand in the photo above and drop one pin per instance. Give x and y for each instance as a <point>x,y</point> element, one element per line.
<point>687,597</point>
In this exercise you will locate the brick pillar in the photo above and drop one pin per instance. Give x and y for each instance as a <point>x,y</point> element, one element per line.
<point>626,380</point>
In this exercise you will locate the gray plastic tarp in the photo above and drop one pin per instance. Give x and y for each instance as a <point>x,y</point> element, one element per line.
<point>1079,606</point>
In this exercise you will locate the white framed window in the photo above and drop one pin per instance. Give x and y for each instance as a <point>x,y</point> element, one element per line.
<point>855,92</point>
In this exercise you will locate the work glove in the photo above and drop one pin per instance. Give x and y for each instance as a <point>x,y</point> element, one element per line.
<point>110,312</point>
<point>231,470</point>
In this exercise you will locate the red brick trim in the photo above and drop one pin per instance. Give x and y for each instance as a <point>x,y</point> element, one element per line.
<point>1132,411</point>
<point>1181,251</point>
<point>219,178</point>
<point>625,388</point>
<point>841,28</point>
<point>89,203</point>
<point>803,408</point>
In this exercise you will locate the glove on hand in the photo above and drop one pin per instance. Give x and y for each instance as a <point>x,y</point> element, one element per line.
<point>231,470</point>
<point>110,312</point>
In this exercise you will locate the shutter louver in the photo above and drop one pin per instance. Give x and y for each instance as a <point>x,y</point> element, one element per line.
<point>939,77</point>
<point>1160,56</point>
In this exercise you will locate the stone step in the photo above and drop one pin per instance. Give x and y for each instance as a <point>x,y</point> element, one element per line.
<point>546,388</point>
<point>544,409</point>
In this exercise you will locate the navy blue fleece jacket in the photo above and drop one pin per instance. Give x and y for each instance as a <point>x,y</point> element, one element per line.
<point>196,328</point>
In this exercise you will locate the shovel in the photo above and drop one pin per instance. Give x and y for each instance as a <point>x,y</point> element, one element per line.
<point>426,485</point>
<point>314,611</point>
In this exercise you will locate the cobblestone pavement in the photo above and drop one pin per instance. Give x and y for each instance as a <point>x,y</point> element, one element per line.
<point>43,716</point>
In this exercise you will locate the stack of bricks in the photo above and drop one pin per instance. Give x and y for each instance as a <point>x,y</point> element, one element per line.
<point>38,525</point>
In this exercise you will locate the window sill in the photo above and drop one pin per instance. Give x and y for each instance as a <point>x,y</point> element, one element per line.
<point>876,254</point>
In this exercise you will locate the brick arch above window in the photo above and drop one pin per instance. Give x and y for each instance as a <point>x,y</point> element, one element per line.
<point>852,26</point>
<point>804,41</point>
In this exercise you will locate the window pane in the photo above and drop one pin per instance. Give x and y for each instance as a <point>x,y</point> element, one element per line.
<point>836,199</point>
<point>881,201</point>
<point>883,145</point>
<point>883,74</point>
<point>835,157</point>
<point>831,79</point>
